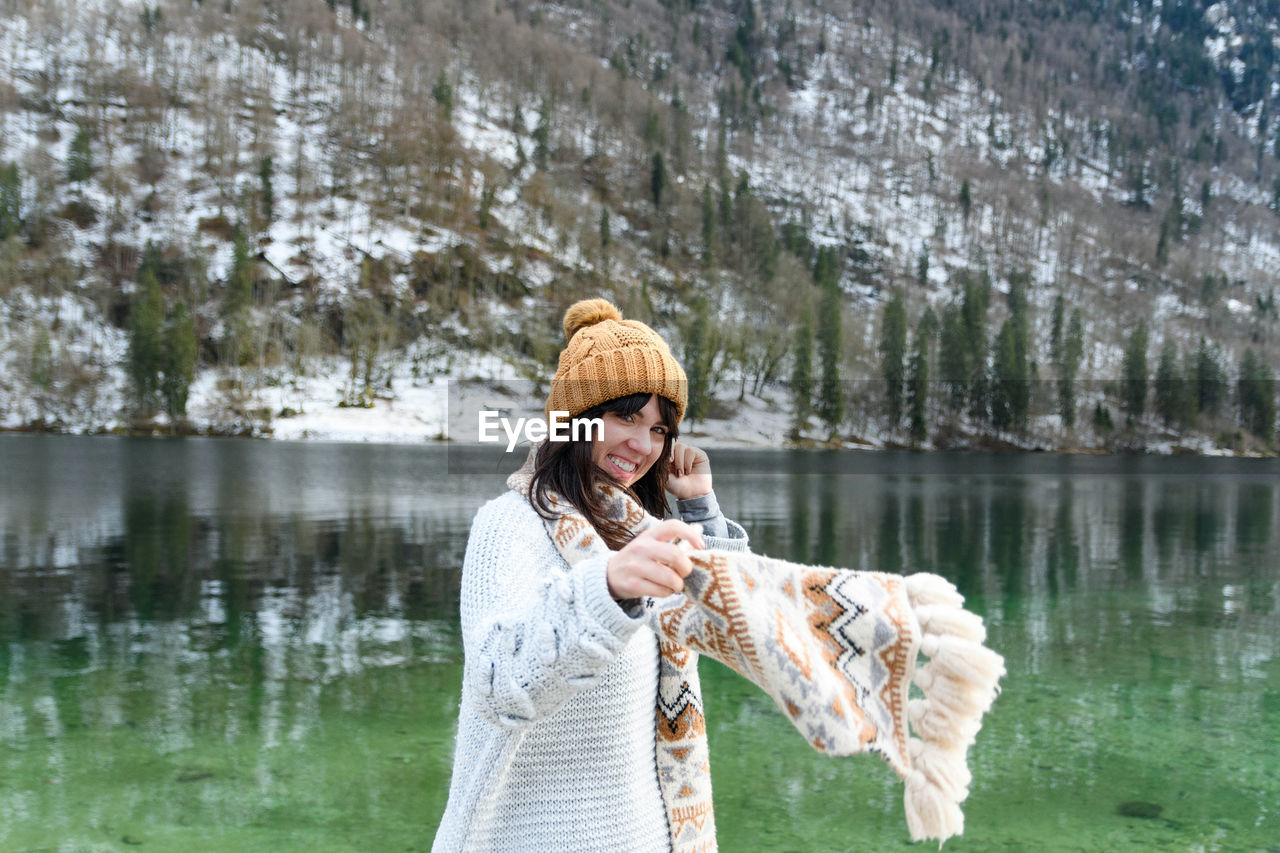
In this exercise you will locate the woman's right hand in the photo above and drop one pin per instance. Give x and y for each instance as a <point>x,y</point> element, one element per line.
<point>652,564</point>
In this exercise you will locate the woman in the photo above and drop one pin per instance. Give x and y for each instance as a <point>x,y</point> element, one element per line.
<point>556,745</point>
<point>582,729</point>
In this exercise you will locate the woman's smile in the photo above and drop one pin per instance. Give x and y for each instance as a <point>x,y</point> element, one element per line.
<point>630,444</point>
<point>625,467</point>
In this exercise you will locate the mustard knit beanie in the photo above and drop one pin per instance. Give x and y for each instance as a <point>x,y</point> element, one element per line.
<point>608,357</point>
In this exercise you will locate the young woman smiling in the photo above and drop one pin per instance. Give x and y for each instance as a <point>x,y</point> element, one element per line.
<point>581,725</point>
<point>556,744</point>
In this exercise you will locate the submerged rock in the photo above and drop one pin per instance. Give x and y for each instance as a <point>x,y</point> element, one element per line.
<point>1140,809</point>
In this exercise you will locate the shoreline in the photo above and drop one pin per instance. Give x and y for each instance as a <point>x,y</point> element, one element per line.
<point>411,409</point>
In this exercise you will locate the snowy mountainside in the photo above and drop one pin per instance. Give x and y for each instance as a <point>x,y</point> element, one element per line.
<point>420,188</point>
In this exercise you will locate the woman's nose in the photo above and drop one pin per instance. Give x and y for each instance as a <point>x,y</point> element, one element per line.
<point>641,442</point>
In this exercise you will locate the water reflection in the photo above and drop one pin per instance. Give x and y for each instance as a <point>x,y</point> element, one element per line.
<point>226,538</point>
<point>219,577</point>
<point>235,615</point>
<point>1254,513</point>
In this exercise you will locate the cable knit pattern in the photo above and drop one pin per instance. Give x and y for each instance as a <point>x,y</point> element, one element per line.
<point>556,724</point>
<point>530,658</point>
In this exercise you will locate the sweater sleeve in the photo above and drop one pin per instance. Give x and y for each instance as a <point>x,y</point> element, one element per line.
<point>535,631</point>
<point>717,531</point>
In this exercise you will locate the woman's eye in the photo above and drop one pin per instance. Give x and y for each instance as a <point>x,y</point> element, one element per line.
<point>660,430</point>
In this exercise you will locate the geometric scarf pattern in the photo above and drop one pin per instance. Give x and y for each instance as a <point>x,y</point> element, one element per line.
<point>836,649</point>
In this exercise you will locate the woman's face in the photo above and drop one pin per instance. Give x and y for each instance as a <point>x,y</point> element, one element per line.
<point>630,443</point>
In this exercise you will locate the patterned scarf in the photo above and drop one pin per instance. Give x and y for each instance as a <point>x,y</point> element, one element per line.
<point>834,648</point>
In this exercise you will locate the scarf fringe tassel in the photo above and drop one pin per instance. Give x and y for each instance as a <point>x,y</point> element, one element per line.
<point>959,683</point>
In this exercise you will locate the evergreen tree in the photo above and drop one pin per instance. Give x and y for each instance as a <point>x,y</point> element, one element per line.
<point>802,370</point>
<point>146,344</point>
<point>1057,319</point>
<point>442,94</point>
<point>830,389</point>
<point>239,294</point>
<point>696,358</point>
<point>1072,352</point>
<point>179,362</point>
<point>953,369</point>
<point>1134,370</point>
<point>893,346</point>
<point>1009,380</point>
<point>708,222</point>
<point>973,308</point>
<point>1256,391</point>
<point>237,299</point>
<point>41,367</point>
<point>922,265</point>
<point>725,207</point>
<point>724,203</point>
<point>542,136</point>
<point>1019,316</point>
<point>918,377</point>
<point>153,259</point>
<point>1010,368</point>
<point>265,172</point>
<point>658,179</point>
<point>1173,401</point>
<point>606,229</point>
<point>10,201</point>
<point>966,201</point>
<point>747,43</point>
<point>1210,380</point>
<point>486,204</point>
<point>1102,418</point>
<point>1002,368</point>
<point>150,17</point>
<point>80,157</point>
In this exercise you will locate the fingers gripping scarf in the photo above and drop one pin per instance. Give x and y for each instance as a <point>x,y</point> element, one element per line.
<point>836,650</point>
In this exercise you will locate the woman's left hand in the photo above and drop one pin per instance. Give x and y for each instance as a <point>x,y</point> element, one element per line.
<point>689,472</point>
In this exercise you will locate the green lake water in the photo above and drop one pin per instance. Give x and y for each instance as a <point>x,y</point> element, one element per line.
<point>253,646</point>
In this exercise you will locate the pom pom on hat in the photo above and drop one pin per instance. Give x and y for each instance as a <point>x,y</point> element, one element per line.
<point>588,312</point>
<point>607,357</point>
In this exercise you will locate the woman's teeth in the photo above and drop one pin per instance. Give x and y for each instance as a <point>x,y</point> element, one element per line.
<point>625,466</point>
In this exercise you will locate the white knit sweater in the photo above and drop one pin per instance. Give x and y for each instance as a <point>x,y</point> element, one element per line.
<point>555,747</point>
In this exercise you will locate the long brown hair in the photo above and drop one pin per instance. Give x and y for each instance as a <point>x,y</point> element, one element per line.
<point>565,468</point>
